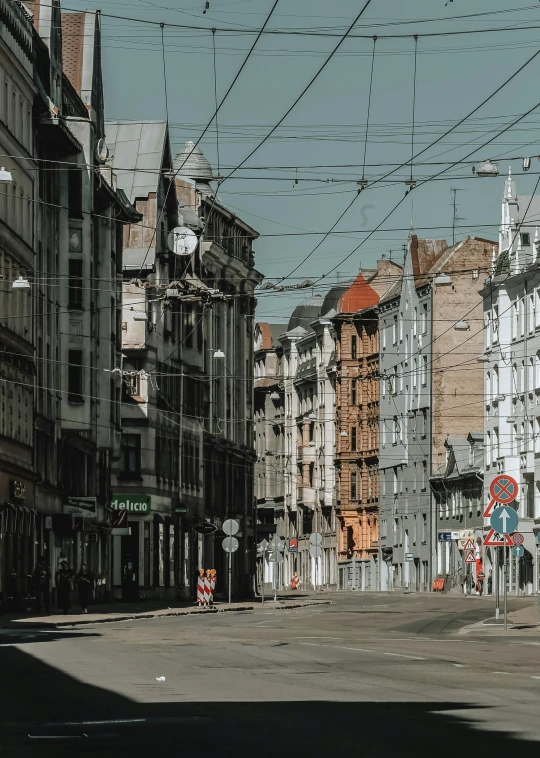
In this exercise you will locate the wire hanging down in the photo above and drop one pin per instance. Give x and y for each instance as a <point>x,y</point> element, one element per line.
<point>410,182</point>
<point>216,103</point>
<point>363,181</point>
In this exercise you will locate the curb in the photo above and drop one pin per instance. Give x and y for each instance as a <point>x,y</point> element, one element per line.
<point>144,616</point>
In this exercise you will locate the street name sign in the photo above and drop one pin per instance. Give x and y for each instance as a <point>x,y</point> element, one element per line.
<point>409,557</point>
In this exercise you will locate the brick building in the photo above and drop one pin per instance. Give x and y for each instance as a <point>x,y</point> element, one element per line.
<point>357,425</point>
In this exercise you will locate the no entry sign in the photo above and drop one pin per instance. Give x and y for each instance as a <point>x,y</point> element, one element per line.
<point>503,489</point>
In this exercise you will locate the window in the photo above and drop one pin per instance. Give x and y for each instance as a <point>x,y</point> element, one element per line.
<point>383,432</point>
<point>424,318</point>
<point>415,319</point>
<point>353,439</point>
<point>529,502</point>
<point>75,191</point>
<point>495,323</point>
<point>415,372</point>
<point>424,370</point>
<point>496,443</point>
<point>353,347</point>
<point>384,335</point>
<point>130,454</point>
<point>424,423</point>
<point>514,319</point>
<point>424,527</point>
<point>353,391</point>
<point>394,430</point>
<point>394,331</point>
<point>424,476</point>
<point>489,450</point>
<point>401,327</point>
<point>525,238</point>
<point>531,319</point>
<point>75,287</point>
<point>75,376</point>
<point>353,486</point>
<point>496,380</point>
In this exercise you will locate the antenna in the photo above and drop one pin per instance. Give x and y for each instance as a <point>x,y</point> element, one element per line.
<point>455,216</point>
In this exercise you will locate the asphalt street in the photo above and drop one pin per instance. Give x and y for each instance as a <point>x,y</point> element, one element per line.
<point>388,674</point>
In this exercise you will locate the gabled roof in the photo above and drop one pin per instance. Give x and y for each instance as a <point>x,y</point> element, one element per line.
<point>269,334</point>
<point>138,151</point>
<point>308,310</point>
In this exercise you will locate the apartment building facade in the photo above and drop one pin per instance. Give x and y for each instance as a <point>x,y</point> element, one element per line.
<point>427,324</point>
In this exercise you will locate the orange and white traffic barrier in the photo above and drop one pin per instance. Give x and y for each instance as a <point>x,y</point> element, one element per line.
<point>207,590</point>
<point>213,575</point>
<point>200,588</point>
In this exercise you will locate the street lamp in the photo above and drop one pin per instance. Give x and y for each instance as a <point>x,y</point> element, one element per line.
<point>218,354</point>
<point>488,169</point>
<point>20,284</point>
<point>5,176</point>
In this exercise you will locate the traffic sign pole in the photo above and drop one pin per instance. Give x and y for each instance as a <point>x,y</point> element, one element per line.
<point>505,589</point>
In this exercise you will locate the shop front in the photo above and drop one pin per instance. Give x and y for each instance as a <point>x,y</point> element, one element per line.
<point>145,547</point>
<point>17,539</point>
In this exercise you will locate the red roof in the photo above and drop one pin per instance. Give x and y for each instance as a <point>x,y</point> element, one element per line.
<point>359,296</point>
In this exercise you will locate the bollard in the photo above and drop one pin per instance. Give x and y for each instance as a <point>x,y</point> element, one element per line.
<point>213,577</point>
<point>207,590</point>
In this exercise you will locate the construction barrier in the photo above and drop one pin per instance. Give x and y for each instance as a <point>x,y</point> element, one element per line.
<point>438,584</point>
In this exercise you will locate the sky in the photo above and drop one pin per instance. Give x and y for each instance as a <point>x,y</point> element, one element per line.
<point>300,181</point>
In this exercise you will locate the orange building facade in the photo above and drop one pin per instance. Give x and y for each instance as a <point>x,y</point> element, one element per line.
<point>357,429</point>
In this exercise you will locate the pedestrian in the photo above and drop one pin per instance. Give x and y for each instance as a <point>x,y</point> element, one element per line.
<point>295,581</point>
<point>63,586</point>
<point>42,585</point>
<point>84,586</point>
<point>490,582</point>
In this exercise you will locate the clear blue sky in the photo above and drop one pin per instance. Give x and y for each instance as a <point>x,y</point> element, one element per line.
<point>454,74</point>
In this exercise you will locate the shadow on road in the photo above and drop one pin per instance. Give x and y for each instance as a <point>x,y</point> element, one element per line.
<point>46,713</point>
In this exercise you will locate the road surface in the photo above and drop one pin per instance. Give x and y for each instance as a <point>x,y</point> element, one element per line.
<point>370,675</point>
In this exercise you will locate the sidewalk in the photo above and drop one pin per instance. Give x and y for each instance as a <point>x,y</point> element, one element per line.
<point>111,612</point>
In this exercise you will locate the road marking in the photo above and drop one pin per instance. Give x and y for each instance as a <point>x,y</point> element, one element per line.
<point>316,638</point>
<point>458,665</point>
<point>535,677</point>
<point>506,673</point>
<point>402,655</point>
<point>361,649</point>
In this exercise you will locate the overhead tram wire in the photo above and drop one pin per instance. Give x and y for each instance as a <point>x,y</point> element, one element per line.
<point>425,181</point>
<point>287,112</point>
<point>244,63</point>
<point>309,33</point>
<point>424,150</point>
<point>363,181</point>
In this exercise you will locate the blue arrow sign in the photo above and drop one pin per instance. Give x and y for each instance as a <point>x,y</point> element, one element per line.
<point>517,551</point>
<point>504,520</point>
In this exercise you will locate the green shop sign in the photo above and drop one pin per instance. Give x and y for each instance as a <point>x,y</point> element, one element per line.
<point>131,502</point>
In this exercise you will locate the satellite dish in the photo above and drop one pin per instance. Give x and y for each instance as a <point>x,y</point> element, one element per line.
<point>182,241</point>
<point>102,151</point>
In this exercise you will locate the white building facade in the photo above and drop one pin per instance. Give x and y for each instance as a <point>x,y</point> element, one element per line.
<point>511,362</point>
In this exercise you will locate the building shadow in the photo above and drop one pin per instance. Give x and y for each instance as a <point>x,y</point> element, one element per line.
<point>47,713</point>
